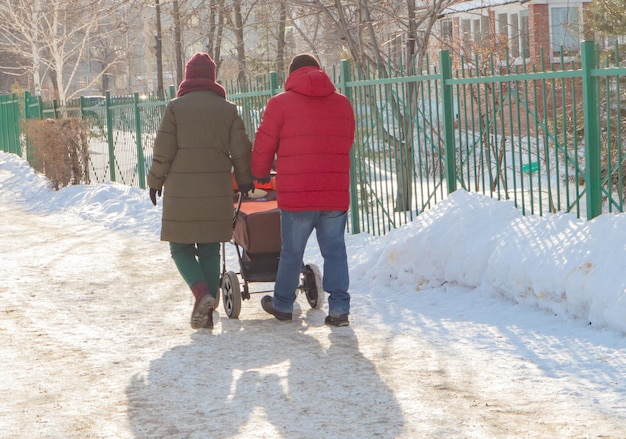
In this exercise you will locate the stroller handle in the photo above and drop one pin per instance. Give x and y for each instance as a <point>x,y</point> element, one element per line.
<point>239,199</point>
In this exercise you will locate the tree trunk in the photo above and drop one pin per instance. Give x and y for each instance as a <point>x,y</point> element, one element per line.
<point>35,49</point>
<point>159,49</point>
<point>216,31</point>
<point>55,84</point>
<point>406,160</point>
<point>280,40</point>
<point>178,44</point>
<point>241,51</point>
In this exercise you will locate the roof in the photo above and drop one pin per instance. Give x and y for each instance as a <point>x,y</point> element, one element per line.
<point>471,5</point>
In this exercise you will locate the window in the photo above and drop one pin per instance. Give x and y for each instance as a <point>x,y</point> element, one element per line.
<point>514,36</point>
<point>476,30</point>
<point>466,30</point>
<point>485,27</point>
<point>523,29</point>
<point>564,29</point>
<point>503,24</point>
<point>446,30</point>
<point>480,29</point>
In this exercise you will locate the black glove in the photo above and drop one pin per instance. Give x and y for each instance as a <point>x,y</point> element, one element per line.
<point>265,179</point>
<point>245,188</point>
<point>153,195</point>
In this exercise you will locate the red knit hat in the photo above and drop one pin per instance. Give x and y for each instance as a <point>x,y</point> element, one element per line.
<point>200,66</point>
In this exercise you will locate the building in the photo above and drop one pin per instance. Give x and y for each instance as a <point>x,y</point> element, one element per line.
<point>526,29</point>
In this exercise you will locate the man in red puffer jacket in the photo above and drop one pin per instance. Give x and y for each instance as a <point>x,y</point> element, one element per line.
<point>308,130</point>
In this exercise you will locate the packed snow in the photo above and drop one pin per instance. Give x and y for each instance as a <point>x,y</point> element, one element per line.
<point>473,321</point>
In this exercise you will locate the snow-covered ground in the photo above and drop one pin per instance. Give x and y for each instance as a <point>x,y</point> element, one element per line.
<point>470,322</point>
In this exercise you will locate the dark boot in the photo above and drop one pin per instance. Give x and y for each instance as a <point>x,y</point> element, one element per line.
<point>202,314</point>
<point>268,307</point>
<point>340,320</point>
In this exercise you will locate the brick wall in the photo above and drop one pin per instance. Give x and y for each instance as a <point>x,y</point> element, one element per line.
<point>539,31</point>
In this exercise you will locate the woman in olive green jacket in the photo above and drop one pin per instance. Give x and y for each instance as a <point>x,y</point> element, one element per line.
<point>200,141</point>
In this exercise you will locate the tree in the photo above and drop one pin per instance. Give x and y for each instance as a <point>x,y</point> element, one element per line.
<point>12,75</point>
<point>115,46</point>
<point>57,40</point>
<point>215,31</point>
<point>247,37</point>
<point>237,28</point>
<point>607,17</point>
<point>196,26</point>
<point>158,39</point>
<point>178,43</point>
<point>280,37</point>
<point>255,36</point>
<point>20,38</point>
<point>368,30</point>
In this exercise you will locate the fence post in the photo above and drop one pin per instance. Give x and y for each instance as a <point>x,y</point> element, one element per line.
<point>55,109</point>
<point>448,119</point>
<point>5,144</point>
<point>40,107</point>
<point>110,140</point>
<point>28,115</point>
<point>273,83</point>
<point>14,126</point>
<point>82,106</point>
<point>141,163</point>
<point>26,102</point>
<point>592,132</point>
<point>354,202</point>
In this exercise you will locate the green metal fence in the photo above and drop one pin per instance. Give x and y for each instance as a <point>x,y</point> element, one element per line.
<point>10,124</point>
<point>546,136</point>
<point>121,132</point>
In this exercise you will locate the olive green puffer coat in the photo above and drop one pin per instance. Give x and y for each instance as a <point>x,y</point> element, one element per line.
<point>200,139</point>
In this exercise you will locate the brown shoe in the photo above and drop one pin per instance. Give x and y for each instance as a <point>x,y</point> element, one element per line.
<point>205,303</point>
<point>200,314</point>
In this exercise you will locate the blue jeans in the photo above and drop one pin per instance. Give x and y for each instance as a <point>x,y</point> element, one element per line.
<point>295,229</point>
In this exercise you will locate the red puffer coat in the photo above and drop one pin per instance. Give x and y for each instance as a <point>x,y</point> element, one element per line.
<point>310,127</point>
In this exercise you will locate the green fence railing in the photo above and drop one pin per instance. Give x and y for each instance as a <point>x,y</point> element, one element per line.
<point>547,136</point>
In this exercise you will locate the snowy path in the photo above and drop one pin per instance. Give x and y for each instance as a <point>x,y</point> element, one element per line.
<point>95,343</point>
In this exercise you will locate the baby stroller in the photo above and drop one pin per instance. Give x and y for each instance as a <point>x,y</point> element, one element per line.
<point>256,238</point>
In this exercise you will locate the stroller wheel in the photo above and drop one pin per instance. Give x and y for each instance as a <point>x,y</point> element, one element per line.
<point>312,285</point>
<point>231,294</point>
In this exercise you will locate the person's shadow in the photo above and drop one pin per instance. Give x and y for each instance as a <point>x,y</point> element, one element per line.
<point>258,377</point>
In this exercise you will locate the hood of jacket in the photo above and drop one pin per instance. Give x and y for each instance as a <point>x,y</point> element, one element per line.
<point>310,81</point>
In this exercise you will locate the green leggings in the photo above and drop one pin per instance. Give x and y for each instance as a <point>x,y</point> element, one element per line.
<point>198,262</point>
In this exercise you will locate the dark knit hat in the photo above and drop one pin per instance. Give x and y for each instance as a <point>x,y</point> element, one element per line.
<point>303,60</point>
<point>200,66</point>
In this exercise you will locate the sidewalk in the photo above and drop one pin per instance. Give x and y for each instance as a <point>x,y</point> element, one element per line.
<point>95,343</point>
